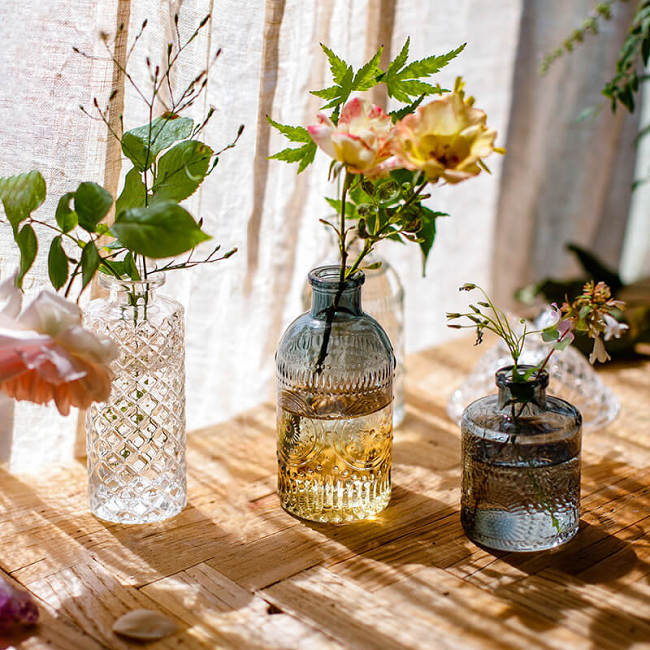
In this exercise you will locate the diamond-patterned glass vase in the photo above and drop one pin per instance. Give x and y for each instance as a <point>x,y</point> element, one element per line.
<point>136,440</point>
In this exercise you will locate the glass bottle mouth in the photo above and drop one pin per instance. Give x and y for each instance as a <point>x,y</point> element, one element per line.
<point>503,377</point>
<point>132,286</point>
<point>326,278</point>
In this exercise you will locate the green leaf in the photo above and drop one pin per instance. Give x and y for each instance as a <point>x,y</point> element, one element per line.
<point>343,93</point>
<point>401,113</point>
<point>90,261</point>
<point>124,268</point>
<point>133,193</point>
<point>338,67</point>
<point>427,233</point>
<point>366,76</point>
<point>28,245</point>
<point>21,195</point>
<point>66,218</point>
<point>293,133</point>
<point>404,82</point>
<point>57,264</point>
<point>563,344</point>
<point>143,144</point>
<point>550,334</point>
<point>304,155</point>
<point>91,203</point>
<point>163,229</point>
<point>181,170</point>
<point>326,93</point>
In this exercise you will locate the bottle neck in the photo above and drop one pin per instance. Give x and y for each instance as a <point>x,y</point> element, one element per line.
<point>328,292</point>
<point>131,293</point>
<point>524,392</point>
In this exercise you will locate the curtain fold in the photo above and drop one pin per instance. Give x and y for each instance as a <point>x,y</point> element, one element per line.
<point>237,309</point>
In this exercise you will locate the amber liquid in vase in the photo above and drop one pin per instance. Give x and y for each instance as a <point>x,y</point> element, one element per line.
<point>334,470</point>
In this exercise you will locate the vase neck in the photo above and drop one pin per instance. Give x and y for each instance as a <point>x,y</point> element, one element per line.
<point>131,293</point>
<point>327,292</point>
<point>530,391</point>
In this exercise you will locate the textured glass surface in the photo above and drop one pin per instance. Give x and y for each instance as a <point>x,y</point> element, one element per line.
<point>334,426</point>
<point>572,379</point>
<point>136,441</point>
<point>383,299</point>
<point>521,470</point>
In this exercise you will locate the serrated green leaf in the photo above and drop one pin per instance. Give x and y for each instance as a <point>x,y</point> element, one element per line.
<point>326,93</point>
<point>292,133</point>
<point>28,245</point>
<point>91,203</point>
<point>344,91</point>
<point>181,170</point>
<point>365,78</point>
<point>397,63</point>
<point>66,218</point>
<point>90,261</point>
<point>338,67</point>
<point>143,144</point>
<point>430,65</point>
<point>406,110</point>
<point>57,264</point>
<point>21,195</point>
<point>163,229</point>
<point>308,156</point>
<point>133,193</point>
<point>303,155</point>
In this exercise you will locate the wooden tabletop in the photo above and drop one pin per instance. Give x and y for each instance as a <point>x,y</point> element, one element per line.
<point>235,571</point>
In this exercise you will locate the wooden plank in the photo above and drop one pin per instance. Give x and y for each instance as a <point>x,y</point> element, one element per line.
<point>220,613</point>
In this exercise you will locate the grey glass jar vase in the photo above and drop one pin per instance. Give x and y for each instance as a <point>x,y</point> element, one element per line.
<point>335,369</point>
<point>521,466</point>
<point>136,440</point>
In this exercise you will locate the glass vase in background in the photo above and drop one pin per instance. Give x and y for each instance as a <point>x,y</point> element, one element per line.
<point>383,299</point>
<point>521,466</point>
<point>136,440</point>
<point>335,418</point>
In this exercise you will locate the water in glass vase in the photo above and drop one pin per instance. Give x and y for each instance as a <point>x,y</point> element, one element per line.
<point>334,470</point>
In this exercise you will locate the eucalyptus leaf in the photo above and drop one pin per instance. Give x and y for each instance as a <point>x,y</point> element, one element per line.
<point>133,193</point>
<point>91,203</point>
<point>163,229</point>
<point>143,144</point>
<point>28,245</point>
<point>90,261</point>
<point>57,264</point>
<point>21,195</point>
<point>181,170</point>
<point>66,218</point>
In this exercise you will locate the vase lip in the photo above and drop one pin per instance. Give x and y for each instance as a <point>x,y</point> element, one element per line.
<point>503,377</point>
<point>326,278</point>
<point>110,282</point>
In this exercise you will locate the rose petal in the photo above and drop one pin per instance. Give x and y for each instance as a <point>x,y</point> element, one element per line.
<point>144,624</point>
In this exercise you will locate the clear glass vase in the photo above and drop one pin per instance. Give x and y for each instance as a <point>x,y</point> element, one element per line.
<point>136,440</point>
<point>335,369</point>
<point>521,467</point>
<point>383,299</point>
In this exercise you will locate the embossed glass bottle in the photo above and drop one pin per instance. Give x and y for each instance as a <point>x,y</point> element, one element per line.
<point>383,299</point>
<point>136,440</point>
<point>521,467</point>
<point>334,411</point>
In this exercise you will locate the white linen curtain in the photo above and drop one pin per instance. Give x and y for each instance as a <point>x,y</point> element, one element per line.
<point>237,309</point>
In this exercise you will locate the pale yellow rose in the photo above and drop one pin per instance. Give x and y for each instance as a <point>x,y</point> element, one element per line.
<point>445,139</point>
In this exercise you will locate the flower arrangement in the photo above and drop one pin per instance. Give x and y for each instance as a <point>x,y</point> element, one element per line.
<point>592,313</point>
<point>46,354</point>
<point>386,160</point>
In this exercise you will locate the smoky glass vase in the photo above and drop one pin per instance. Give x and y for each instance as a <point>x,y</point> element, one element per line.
<point>383,299</point>
<point>521,466</point>
<point>136,440</point>
<point>335,369</point>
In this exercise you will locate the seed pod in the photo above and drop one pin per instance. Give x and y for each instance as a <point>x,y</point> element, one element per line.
<point>144,624</point>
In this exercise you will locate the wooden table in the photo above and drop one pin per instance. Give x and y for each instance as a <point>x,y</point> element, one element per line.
<point>235,571</point>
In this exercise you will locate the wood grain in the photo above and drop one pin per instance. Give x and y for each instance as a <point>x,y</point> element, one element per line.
<point>235,571</point>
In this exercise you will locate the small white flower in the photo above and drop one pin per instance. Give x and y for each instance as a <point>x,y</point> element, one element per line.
<point>599,353</point>
<point>613,329</point>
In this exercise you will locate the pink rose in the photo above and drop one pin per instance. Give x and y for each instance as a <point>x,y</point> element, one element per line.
<point>361,140</point>
<point>46,354</point>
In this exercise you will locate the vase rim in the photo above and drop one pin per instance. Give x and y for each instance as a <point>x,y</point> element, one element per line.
<point>327,278</point>
<point>503,377</point>
<point>108,281</point>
